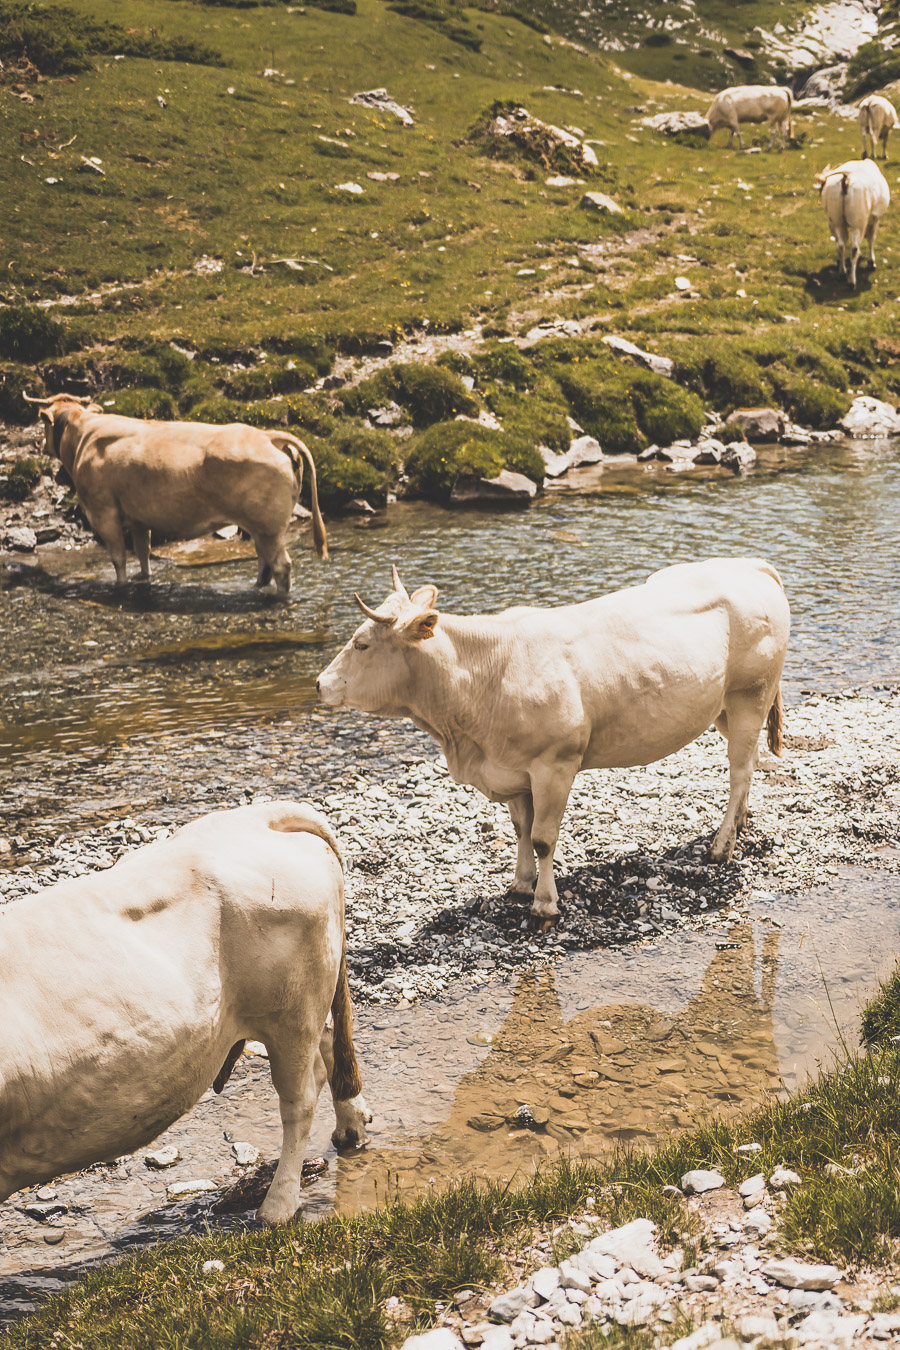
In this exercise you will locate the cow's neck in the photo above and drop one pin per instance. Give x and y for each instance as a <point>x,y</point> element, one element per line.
<point>453,677</point>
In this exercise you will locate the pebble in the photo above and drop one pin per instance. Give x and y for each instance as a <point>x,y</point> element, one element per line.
<point>757,1222</point>
<point>209,1266</point>
<point>507,1306</point>
<point>439,1338</point>
<point>753,1185</point>
<point>783,1179</point>
<point>701,1284</point>
<point>163,1157</point>
<point>699,1181</point>
<point>246,1154</point>
<point>178,1188</point>
<point>704,1336</point>
<point>750,1148</point>
<point>751,1328</point>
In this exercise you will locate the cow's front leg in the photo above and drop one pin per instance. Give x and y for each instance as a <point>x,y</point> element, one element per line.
<point>521,813</point>
<point>550,788</point>
<point>294,1077</point>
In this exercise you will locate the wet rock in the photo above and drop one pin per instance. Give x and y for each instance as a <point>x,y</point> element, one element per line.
<point>738,456</point>
<point>507,489</point>
<point>358,506</point>
<point>871,417</point>
<point>485,1122</point>
<point>757,424</point>
<point>661,365</point>
<point>507,1306</point>
<point>381,101</point>
<point>709,451</point>
<point>599,201</point>
<point>439,1338</point>
<point>20,538</point>
<point>163,1157</point>
<point>678,124</point>
<point>793,1274</point>
<point>783,1179</point>
<point>584,450</point>
<point>699,1181</point>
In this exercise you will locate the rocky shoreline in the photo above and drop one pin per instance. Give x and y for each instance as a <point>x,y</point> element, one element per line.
<point>428,860</point>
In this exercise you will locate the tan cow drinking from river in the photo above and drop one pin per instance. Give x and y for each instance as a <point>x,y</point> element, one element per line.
<point>181,479</point>
<point>521,701</point>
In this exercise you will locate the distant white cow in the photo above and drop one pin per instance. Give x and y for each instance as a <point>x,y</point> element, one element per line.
<point>125,993</point>
<point>877,119</point>
<point>855,196</point>
<point>751,103</point>
<point>521,701</point>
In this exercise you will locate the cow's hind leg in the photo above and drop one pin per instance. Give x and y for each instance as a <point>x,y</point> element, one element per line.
<point>108,524</point>
<point>870,240</point>
<point>141,536</point>
<point>351,1116</point>
<point>293,1066</point>
<point>276,561</point>
<point>741,723</point>
<point>521,813</point>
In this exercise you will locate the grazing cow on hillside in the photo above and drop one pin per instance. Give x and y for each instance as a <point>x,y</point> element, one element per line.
<point>125,993</point>
<point>855,196</point>
<point>877,119</point>
<point>521,701</point>
<point>751,103</point>
<point>181,479</point>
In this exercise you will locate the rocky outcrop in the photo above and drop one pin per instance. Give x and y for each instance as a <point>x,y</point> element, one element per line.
<point>661,365</point>
<point>509,127</point>
<point>598,201</point>
<point>871,417</point>
<point>677,124</point>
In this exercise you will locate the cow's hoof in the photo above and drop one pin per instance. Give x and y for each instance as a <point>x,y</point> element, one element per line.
<point>542,923</point>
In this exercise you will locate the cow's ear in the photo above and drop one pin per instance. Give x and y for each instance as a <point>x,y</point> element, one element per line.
<point>47,416</point>
<point>422,626</point>
<point>425,597</point>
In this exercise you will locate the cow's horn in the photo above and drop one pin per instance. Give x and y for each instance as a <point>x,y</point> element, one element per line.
<point>370,613</point>
<point>42,401</point>
<point>398,584</point>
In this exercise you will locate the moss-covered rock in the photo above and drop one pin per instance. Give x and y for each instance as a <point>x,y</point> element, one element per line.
<point>428,393</point>
<point>454,450</point>
<point>30,334</point>
<point>726,377</point>
<point>15,381</point>
<point>284,376</point>
<point>602,402</point>
<point>358,461</point>
<point>665,412</point>
<point>142,402</point>
<point>22,477</point>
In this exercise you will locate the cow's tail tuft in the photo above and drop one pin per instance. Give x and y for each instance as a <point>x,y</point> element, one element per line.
<point>775,726</point>
<point>294,447</point>
<point>346,1080</point>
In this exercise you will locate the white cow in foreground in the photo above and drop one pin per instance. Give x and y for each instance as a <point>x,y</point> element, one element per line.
<point>877,119</point>
<point>751,103</point>
<point>125,993</point>
<point>855,196</point>
<point>181,479</point>
<point>521,701</point>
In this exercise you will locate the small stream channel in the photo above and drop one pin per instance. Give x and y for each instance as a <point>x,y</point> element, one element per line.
<point>164,700</point>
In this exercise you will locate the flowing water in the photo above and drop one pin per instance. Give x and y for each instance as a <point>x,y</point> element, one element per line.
<point>165,697</point>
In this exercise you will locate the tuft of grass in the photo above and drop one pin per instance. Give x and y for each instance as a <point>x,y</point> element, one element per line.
<point>30,334</point>
<point>22,477</point>
<point>880,1023</point>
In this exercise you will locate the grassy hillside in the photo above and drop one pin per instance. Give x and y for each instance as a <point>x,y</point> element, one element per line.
<point>219,222</point>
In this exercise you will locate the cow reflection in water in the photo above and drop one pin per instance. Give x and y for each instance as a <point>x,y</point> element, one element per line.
<point>622,1073</point>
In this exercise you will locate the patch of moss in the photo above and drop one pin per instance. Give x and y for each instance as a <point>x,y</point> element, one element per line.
<point>142,401</point>
<point>30,334</point>
<point>453,450</point>
<point>428,393</point>
<point>871,68</point>
<point>728,378</point>
<point>538,416</point>
<point>22,477</point>
<point>14,382</point>
<point>604,406</point>
<point>58,40</point>
<point>808,401</point>
<point>449,21</point>
<point>503,362</point>
<point>270,377</point>
<point>665,412</point>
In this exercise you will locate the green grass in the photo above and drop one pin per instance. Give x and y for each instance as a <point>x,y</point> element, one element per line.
<point>881,1018</point>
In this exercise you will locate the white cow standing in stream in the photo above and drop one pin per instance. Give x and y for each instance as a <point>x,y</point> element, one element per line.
<point>521,701</point>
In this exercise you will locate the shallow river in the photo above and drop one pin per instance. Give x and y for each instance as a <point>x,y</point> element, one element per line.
<point>165,701</point>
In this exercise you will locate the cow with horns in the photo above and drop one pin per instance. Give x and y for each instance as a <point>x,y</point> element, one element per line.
<point>523,700</point>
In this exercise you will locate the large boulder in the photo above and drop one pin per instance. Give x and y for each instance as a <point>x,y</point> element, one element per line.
<point>738,456</point>
<point>583,450</point>
<point>757,424</point>
<point>507,489</point>
<point>870,417</point>
<point>678,124</point>
<point>827,83</point>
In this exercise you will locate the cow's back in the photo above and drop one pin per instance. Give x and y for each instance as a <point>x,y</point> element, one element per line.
<point>122,991</point>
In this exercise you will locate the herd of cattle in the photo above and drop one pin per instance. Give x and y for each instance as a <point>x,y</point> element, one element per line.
<point>153,974</point>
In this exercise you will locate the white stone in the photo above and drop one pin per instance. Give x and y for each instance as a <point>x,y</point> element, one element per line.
<point>598,201</point>
<point>507,1306</point>
<point>163,1157</point>
<point>545,1281</point>
<point>210,1266</point>
<point>570,1315</point>
<point>752,1147</point>
<point>752,1185</point>
<point>439,1338</point>
<point>752,1327</point>
<point>705,1335</point>
<point>498,1338</point>
<point>357,190</point>
<point>884,1326</point>
<point>794,1274</point>
<point>829,1327</point>
<point>662,365</point>
<point>246,1154</point>
<point>782,1179</point>
<point>699,1181</point>
<point>571,1277</point>
<point>632,1245</point>
<point>682,284</point>
<point>179,1188</point>
<point>869,416</point>
<point>609,1290</point>
<point>757,1222</point>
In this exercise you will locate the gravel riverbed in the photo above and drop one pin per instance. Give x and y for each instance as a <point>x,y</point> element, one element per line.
<point>428,860</point>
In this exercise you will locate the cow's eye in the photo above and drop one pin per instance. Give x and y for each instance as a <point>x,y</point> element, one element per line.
<point>361,646</point>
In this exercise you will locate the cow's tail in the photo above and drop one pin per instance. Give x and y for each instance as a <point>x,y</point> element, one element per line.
<point>775,726</point>
<point>790,98</point>
<point>346,1080</point>
<point>869,130</point>
<point>295,448</point>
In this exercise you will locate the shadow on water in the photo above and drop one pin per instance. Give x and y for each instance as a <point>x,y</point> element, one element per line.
<point>604,1049</point>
